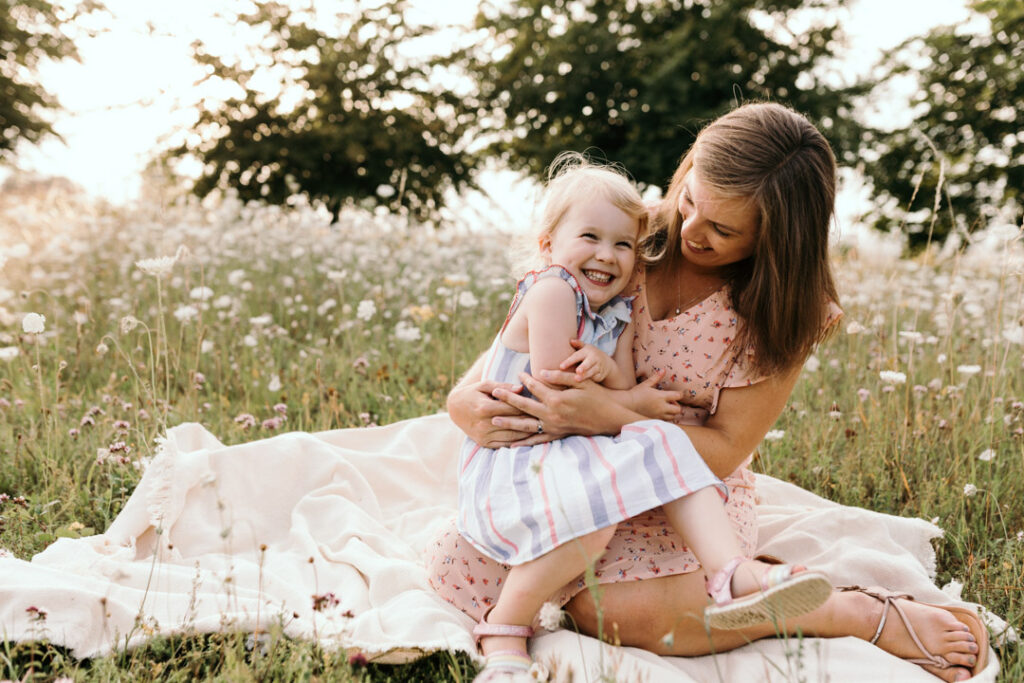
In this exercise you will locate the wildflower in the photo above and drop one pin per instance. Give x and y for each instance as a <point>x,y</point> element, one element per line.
<point>73,432</point>
<point>986,455</point>
<point>35,614</point>
<point>911,336</point>
<point>324,307</point>
<point>456,279</point>
<point>406,332</point>
<point>275,383</point>
<point>249,340</point>
<point>272,423</point>
<point>199,378</point>
<point>935,384</point>
<point>920,389</point>
<point>246,420</point>
<point>669,639</point>
<point>9,353</point>
<point>968,370</point>
<point>33,323</point>
<point>855,328</point>
<point>206,346</point>
<point>892,377</point>
<point>261,320</point>
<point>357,659</point>
<point>1020,536</point>
<point>360,362</point>
<point>941,358</point>
<point>143,414</point>
<point>467,299</point>
<point>774,435</point>
<point>812,364</point>
<point>122,425</point>
<point>550,616</point>
<point>101,349</point>
<point>954,589</point>
<point>86,421</point>
<point>420,313</point>
<point>186,313</point>
<point>158,267</point>
<point>128,323</point>
<point>280,408</point>
<point>863,394</point>
<point>325,601</point>
<point>970,490</point>
<point>201,293</point>
<point>235,277</point>
<point>366,310</point>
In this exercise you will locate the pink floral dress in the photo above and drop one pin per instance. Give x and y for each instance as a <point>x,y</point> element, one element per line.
<point>695,348</point>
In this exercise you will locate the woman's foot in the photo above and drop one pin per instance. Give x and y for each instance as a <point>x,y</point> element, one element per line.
<point>746,592</point>
<point>938,630</point>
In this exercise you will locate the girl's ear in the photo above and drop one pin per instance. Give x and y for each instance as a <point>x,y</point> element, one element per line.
<point>544,243</point>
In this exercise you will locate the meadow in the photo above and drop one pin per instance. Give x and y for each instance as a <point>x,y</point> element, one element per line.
<point>254,319</point>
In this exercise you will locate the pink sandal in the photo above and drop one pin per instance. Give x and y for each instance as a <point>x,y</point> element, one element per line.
<point>784,593</point>
<point>505,666</point>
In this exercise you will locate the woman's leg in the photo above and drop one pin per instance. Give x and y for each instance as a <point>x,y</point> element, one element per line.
<point>665,615</point>
<point>530,584</point>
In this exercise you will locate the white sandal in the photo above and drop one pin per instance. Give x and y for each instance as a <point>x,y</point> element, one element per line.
<point>507,666</point>
<point>784,594</point>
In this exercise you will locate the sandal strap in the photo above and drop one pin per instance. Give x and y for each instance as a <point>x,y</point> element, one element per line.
<point>889,598</point>
<point>719,586</point>
<point>484,629</point>
<point>775,575</point>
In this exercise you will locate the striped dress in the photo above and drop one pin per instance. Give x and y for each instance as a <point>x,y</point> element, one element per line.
<point>517,504</point>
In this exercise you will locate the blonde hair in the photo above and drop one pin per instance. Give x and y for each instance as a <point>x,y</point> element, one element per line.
<point>573,177</point>
<point>775,157</point>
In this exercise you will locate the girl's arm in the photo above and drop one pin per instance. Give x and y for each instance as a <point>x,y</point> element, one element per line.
<point>565,406</point>
<point>624,376</point>
<point>614,372</point>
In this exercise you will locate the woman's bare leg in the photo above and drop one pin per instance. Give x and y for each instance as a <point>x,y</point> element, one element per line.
<point>643,613</point>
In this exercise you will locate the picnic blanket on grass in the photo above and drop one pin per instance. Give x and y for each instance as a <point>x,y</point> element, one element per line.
<point>322,535</point>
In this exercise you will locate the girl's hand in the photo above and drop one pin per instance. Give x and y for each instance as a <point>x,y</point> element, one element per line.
<point>473,408</point>
<point>591,363</point>
<point>659,404</point>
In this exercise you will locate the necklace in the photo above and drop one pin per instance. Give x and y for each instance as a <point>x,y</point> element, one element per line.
<point>685,304</point>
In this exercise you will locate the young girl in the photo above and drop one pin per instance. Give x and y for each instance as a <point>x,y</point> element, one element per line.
<point>550,510</point>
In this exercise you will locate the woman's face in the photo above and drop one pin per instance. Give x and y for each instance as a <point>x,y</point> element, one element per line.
<point>716,231</point>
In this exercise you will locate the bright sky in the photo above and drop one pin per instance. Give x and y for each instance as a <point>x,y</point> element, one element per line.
<point>133,83</point>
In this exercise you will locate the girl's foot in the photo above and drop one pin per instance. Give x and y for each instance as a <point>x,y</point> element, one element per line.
<point>505,648</point>
<point>917,630</point>
<point>747,592</point>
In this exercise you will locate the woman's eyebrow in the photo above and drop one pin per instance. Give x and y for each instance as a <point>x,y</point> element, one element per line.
<point>720,226</point>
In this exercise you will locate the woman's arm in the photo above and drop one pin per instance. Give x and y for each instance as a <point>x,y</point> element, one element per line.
<point>473,407</point>
<point>743,416</point>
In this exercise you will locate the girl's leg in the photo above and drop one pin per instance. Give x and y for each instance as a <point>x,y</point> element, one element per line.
<point>665,615</point>
<point>701,521</point>
<point>530,584</point>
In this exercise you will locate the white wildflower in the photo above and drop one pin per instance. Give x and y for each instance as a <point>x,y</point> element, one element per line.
<point>1014,335</point>
<point>774,435</point>
<point>201,293</point>
<point>892,377</point>
<point>206,346</point>
<point>911,335</point>
<point>970,490</point>
<point>186,313</point>
<point>223,301</point>
<point>33,323</point>
<point>954,589</point>
<point>326,306</point>
<point>855,328</point>
<point>235,277</point>
<point>456,279</point>
<point>9,353</point>
<point>407,332</point>
<point>968,370</point>
<point>159,266</point>
<point>385,191</point>
<point>275,383</point>
<point>261,320</point>
<point>366,310</point>
<point>986,455</point>
<point>812,364</point>
<point>550,616</point>
<point>249,340</point>
<point>101,349</point>
<point>941,358</point>
<point>80,318</point>
<point>467,299</point>
<point>128,323</point>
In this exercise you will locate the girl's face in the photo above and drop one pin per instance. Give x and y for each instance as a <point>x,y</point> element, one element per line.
<point>596,242</point>
<point>716,231</point>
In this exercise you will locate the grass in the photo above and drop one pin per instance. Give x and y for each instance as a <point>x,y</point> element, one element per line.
<point>267,313</point>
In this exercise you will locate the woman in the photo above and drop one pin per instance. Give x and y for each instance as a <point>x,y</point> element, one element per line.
<point>736,292</point>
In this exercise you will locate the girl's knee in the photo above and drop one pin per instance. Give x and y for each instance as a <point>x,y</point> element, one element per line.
<point>595,542</point>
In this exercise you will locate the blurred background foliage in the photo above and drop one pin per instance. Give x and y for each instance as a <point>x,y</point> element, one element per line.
<point>364,106</point>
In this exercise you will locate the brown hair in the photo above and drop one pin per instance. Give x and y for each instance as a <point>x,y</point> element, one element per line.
<point>774,156</point>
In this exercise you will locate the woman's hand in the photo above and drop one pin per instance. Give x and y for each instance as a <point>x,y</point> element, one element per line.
<point>473,408</point>
<point>563,405</point>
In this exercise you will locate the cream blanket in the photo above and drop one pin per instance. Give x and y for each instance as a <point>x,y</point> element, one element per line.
<point>244,537</point>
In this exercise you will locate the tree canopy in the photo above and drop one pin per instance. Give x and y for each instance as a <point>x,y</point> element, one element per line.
<point>32,31</point>
<point>637,80</point>
<point>966,130</point>
<point>354,117</point>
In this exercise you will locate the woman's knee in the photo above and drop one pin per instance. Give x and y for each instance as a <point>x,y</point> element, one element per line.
<point>595,543</point>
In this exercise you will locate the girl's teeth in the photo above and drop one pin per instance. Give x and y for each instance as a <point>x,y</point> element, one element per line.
<point>600,277</point>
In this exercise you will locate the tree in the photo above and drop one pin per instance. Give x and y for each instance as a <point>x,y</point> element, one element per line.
<point>966,130</point>
<point>354,117</point>
<point>637,80</point>
<point>32,32</point>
